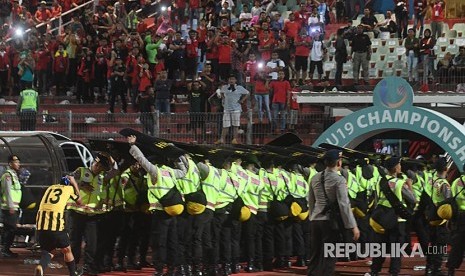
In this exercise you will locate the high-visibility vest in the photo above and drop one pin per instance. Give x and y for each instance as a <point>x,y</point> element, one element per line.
<point>437,184</point>
<point>456,188</point>
<point>299,188</point>
<point>130,193</point>
<point>265,195</point>
<point>91,201</point>
<point>312,173</point>
<point>114,194</point>
<point>227,190</point>
<point>210,186</point>
<point>165,182</point>
<point>29,99</point>
<point>190,183</point>
<point>15,191</point>
<point>251,196</point>
<point>395,184</point>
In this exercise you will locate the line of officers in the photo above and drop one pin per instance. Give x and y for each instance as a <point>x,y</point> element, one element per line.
<point>158,206</point>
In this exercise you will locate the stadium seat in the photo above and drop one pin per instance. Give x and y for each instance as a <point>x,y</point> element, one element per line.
<point>385,35</point>
<point>451,34</point>
<point>388,72</point>
<point>460,41</point>
<point>380,17</point>
<point>400,51</point>
<point>460,28</point>
<point>442,41</point>
<point>355,22</point>
<point>453,49</point>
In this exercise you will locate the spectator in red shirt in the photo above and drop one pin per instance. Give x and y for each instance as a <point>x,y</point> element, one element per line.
<point>192,48</point>
<point>60,69</point>
<point>437,18</point>
<point>132,72</point>
<point>292,27</point>
<point>5,71</point>
<point>302,52</point>
<point>262,95</point>
<point>42,61</point>
<point>145,75</point>
<point>194,6</point>
<point>281,91</point>
<point>43,14</point>
<point>293,106</point>
<point>56,12</point>
<point>211,41</point>
<point>85,72</point>
<point>266,45</point>
<point>224,58</point>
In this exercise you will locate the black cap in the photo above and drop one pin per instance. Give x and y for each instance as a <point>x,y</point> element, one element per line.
<point>440,165</point>
<point>391,162</point>
<point>104,159</point>
<point>333,155</point>
<point>12,158</point>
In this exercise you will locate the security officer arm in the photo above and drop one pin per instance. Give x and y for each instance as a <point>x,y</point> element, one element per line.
<point>446,191</point>
<point>76,189</point>
<point>344,204</point>
<point>182,166</point>
<point>407,194</point>
<point>311,194</point>
<point>139,156</point>
<point>204,170</point>
<point>7,186</point>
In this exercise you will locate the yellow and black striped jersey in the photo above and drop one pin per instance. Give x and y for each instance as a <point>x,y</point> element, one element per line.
<point>51,210</point>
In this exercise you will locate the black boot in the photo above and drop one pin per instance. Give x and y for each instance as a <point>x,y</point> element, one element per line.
<point>211,270</point>
<point>227,269</point>
<point>287,262</point>
<point>171,271</point>
<point>268,265</point>
<point>250,267</point>
<point>120,266</point>
<point>300,262</point>
<point>259,266</point>
<point>158,270</point>
<point>236,267</point>
<point>451,272</point>
<point>197,270</point>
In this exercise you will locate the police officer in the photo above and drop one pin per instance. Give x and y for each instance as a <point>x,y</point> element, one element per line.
<point>189,224</point>
<point>85,217</point>
<point>132,181</point>
<point>264,248</point>
<point>328,187</point>
<point>403,191</point>
<point>27,107</point>
<point>438,232</point>
<point>251,199</point>
<point>458,227</point>
<point>112,222</point>
<point>10,192</point>
<point>210,182</point>
<point>160,181</point>
<point>222,220</point>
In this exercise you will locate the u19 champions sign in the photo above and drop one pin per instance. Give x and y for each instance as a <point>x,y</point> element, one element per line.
<point>393,110</point>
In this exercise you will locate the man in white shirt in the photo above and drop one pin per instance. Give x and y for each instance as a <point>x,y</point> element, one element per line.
<point>274,65</point>
<point>245,17</point>
<point>316,55</point>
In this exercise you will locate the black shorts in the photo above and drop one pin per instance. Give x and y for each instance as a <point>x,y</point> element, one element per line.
<point>301,63</point>
<point>51,240</point>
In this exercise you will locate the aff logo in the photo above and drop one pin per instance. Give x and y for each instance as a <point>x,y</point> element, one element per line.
<point>375,250</point>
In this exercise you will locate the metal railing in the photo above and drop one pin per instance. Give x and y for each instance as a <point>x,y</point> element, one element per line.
<point>203,128</point>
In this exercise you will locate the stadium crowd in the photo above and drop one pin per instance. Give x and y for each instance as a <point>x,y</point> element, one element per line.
<point>116,51</point>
